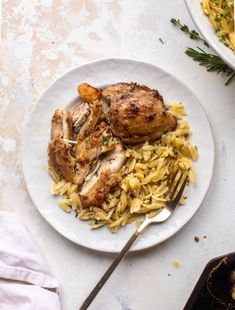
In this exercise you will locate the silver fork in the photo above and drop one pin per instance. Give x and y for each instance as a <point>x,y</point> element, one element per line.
<point>176,189</point>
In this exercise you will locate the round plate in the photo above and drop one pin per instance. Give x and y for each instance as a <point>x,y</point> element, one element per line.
<point>206,29</point>
<point>37,134</point>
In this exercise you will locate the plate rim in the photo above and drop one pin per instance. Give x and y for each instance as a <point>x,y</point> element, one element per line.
<point>217,46</point>
<point>101,249</point>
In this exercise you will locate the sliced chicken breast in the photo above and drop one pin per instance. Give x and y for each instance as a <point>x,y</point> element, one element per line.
<point>98,184</point>
<point>62,125</point>
<point>60,159</point>
<point>88,151</point>
<point>87,114</point>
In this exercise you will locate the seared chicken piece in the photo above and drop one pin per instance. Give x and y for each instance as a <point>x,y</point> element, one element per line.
<point>79,124</point>
<point>80,116</point>
<point>104,184</point>
<point>87,114</point>
<point>62,125</point>
<point>137,113</point>
<point>88,93</point>
<point>99,182</point>
<point>60,160</point>
<point>88,151</point>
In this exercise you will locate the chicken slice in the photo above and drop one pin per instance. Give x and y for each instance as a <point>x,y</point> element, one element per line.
<point>80,116</point>
<point>137,113</point>
<point>98,184</point>
<point>60,160</point>
<point>104,184</point>
<point>62,125</point>
<point>88,151</point>
<point>88,93</point>
<point>87,114</point>
<point>135,139</point>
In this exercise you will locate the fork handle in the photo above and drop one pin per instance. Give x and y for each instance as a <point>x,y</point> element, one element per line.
<point>113,266</point>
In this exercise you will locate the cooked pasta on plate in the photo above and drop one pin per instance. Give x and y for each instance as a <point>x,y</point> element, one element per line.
<point>221,16</point>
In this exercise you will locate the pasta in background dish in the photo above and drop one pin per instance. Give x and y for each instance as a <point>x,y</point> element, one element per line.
<point>145,177</point>
<point>221,16</point>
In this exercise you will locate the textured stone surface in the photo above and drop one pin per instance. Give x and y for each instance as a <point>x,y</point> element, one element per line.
<point>41,39</point>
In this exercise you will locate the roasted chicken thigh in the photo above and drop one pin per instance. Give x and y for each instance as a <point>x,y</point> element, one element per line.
<point>99,182</point>
<point>137,113</point>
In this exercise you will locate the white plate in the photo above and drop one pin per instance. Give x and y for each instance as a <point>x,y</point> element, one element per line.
<point>37,133</point>
<point>206,29</point>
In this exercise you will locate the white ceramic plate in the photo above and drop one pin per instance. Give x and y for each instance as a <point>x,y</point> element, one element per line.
<point>37,133</point>
<point>204,26</point>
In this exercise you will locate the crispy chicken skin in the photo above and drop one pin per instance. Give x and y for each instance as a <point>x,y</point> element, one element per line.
<point>137,113</point>
<point>61,160</point>
<point>92,109</point>
<point>88,93</point>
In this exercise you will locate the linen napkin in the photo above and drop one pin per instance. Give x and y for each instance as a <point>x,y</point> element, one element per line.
<point>25,279</point>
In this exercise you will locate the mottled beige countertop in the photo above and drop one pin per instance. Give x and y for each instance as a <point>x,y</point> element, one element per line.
<point>42,39</point>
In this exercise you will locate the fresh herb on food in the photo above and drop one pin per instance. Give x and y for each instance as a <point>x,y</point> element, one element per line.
<point>212,62</point>
<point>193,34</point>
<point>105,140</point>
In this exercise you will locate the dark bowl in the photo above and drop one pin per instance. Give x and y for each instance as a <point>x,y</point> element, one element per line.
<point>213,289</point>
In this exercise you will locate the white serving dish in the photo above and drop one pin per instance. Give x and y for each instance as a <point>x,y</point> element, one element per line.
<point>207,31</point>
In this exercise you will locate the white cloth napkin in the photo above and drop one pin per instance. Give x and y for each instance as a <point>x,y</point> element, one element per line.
<point>26,282</point>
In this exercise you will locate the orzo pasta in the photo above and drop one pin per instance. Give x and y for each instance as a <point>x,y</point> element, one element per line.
<point>221,16</point>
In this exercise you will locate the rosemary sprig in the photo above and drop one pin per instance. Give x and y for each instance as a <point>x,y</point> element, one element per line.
<point>193,34</point>
<point>212,62</point>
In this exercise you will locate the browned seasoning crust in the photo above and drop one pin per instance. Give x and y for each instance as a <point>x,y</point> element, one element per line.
<point>97,194</point>
<point>62,125</point>
<point>91,148</point>
<point>61,160</point>
<point>92,96</point>
<point>137,113</point>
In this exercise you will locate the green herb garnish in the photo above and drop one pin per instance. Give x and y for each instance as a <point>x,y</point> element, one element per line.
<point>213,63</point>
<point>105,140</point>
<point>193,34</point>
<point>217,18</point>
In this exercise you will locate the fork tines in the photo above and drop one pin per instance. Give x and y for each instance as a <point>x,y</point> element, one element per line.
<point>177,184</point>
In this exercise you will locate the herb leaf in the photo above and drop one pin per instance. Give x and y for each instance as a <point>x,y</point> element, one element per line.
<point>213,63</point>
<point>193,34</point>
<point>105,140</point>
